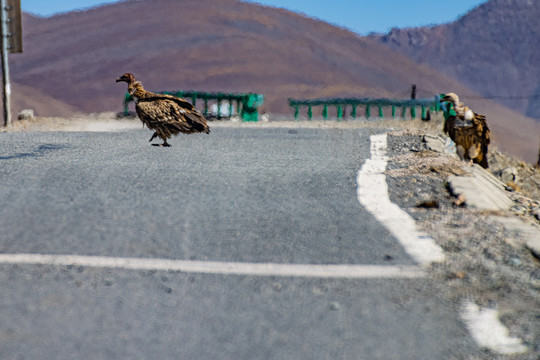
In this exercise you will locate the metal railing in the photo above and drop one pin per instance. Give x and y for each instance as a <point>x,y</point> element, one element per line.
<point>342,104</point>
<point>247,104</point>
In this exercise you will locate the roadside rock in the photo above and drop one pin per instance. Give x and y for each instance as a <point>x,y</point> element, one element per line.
<point>27,114</point>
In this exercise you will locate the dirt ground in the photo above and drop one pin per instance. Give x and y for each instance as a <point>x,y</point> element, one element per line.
<point>484,261</point>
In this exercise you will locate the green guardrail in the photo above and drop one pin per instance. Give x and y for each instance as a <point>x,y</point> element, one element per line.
<point>342,104</point>
<point>247,104</point>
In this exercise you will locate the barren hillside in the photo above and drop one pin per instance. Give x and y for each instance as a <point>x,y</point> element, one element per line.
<point>493,49</point>
<point>225,45</point>
<point>28,97</point>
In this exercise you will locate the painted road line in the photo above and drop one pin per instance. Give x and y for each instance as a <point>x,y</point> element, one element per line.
<point>213,267</point>
<point>488,331</point>
<point>372,192</point>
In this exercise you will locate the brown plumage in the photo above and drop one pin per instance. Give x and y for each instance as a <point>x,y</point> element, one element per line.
<point>468,130</point>
<point>166,115</point>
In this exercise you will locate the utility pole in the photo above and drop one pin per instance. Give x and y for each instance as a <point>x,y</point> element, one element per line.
<point>413,91</point>
<point>538,162</point>
<point>11,33</point>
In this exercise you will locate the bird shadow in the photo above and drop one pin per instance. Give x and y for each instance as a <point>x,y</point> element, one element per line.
<point>38,152</point>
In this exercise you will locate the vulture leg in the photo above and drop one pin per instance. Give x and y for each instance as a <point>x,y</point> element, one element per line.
<point>164,138</point>
<point>153,137</point>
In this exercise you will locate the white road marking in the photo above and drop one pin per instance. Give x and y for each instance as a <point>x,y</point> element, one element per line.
<point>483,324</point>
<point>372,193</point>
<point>487,330</point>
<point>214,267</point>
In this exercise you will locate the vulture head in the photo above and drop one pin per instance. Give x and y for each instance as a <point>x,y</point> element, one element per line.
<point>451,97</point>
<point>127,77</point>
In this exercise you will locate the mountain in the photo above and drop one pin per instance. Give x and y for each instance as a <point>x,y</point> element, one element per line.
<point>28,97</point>
<point>229,46</point>
<point>224,45</point>
<point>493,49</point>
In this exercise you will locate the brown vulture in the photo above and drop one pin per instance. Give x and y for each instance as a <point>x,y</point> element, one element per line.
<point>468,130</point>
<point>166,115</point>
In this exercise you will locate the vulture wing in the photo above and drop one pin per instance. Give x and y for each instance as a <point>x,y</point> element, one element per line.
<point>484,137</point>
<point>482,128</point>
<point>167,117</point>
<point>181,102</point>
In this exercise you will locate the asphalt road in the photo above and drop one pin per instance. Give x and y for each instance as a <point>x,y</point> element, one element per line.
<point>236,195</point>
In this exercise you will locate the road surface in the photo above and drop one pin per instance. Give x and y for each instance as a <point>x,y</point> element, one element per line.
<point>262,197</point>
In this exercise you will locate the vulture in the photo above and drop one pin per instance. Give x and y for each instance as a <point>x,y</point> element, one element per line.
<point>468,130</point>
<point>166,115</point>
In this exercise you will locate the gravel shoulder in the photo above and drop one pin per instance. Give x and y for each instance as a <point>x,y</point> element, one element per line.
<point>486,262</point>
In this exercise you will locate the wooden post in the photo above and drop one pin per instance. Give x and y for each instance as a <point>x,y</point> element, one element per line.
<point>5,64</point>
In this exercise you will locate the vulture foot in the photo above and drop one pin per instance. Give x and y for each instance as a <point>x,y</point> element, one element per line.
<point>165,144</point>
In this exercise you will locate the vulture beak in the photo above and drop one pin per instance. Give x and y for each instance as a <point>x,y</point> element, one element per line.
<point>127,77</point>
<point>451,97</point>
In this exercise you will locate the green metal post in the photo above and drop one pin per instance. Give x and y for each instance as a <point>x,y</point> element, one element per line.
<point>339,110</point>
<point>368,111</point>
<point>230,106</point>
<point>127,100</point>
<point>403,112</point>
<point>205,104</point>
<point>325,112</point>
<point>310,112</point>
<point>296,112</point>
<point>381,114</point>
<point>413,112</point>
<point>194,99</point>
<point>219,106</point>
<point>353,112</point>
<point>423,112</point>
<point>393,111</point>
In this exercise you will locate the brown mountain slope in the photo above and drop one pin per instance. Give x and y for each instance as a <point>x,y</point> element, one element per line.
<point>493,49</point>
<point>28,97</point>
<point>206,44</point>
<point>218,45</point>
